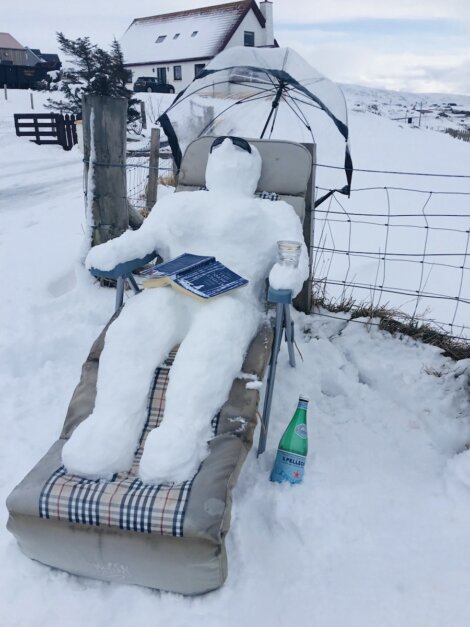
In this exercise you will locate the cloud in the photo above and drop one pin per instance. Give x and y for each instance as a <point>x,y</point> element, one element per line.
<point>415,45</point>
<point>335,10</point>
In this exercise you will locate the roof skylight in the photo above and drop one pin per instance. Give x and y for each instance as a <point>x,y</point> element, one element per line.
<point>194,33</point>
<point>176,36</point>
<point>160,39</point>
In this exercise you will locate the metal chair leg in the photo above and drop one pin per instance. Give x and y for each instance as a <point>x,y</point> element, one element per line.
<point>268,397</point>
<point>283,324</point>
<point>119,292</point>
<point>289,335</point>
<point>133,283</point>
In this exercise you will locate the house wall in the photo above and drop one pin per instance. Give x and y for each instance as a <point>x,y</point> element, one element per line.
<point>18,57</point>
<point>249,23</point>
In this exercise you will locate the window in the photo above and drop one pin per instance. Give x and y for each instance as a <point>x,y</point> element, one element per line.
<point>198,68</point>
<point>194,33</point>
<point>160,39</point>
<point>176,35</point>
<point>177,74</point>
<point>249,38</point>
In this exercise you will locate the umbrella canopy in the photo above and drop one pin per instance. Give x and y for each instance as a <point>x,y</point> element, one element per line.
<point>266,93</point>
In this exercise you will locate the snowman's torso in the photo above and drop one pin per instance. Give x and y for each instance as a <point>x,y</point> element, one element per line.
<point>240,231</point>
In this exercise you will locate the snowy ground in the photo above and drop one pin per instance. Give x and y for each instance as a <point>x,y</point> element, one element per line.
<point>378,533</point>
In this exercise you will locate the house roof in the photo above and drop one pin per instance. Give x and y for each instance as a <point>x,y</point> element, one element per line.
<point>32,56</point>
<point>7,41</point>
<point>194,34</point>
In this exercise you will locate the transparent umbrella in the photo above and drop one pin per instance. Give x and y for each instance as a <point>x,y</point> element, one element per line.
<point>265,93</point>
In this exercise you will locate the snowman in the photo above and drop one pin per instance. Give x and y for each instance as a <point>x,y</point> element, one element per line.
<point>226,220</point>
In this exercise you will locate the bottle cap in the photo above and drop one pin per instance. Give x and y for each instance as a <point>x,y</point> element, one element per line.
<point>304,397</point>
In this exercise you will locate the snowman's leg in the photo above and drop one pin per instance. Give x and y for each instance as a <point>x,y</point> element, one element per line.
<point>136,343</point>
<point>208,360</point>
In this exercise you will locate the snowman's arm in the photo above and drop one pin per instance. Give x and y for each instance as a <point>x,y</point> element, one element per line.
<point>286,277</point>
<point>127,247</point>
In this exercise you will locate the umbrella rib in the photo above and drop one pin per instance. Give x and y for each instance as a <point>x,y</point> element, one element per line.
<point>239,101</point>
<point>306,102</point>
<point>300,114</point>
<point>297,114</point>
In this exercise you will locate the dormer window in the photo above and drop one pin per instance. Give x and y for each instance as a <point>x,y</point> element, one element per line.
<point>194,33</point>
<point>176,36</point>
<point>160,39</point>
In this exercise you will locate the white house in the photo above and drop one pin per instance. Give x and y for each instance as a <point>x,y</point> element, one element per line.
<point>176,46</point>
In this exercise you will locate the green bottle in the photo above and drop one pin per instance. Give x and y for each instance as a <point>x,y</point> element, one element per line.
<point>293,447</point>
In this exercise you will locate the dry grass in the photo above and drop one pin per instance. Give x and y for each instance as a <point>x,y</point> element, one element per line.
<point>398,323</point>
<point>167,179</point>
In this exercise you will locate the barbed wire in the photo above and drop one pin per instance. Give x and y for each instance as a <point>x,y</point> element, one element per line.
<point>401,189</point>
<point>398,172</point>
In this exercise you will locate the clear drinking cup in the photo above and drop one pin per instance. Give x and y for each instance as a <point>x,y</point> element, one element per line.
<point>288,253</point>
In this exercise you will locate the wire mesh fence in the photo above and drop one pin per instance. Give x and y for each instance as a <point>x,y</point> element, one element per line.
<point>399,248</point>
<point>137,177</point>
<point>138,169</point>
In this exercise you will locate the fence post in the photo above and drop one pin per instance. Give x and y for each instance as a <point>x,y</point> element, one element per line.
<point>5,91</point>
<point>151,198</point>
<point>104,134</point>
<point>31,98</point>
<point>143,115</point>
<point>60,129</point>
<point>36,131</point>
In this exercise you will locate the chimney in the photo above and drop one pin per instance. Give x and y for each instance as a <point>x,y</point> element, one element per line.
<point>266,9</point>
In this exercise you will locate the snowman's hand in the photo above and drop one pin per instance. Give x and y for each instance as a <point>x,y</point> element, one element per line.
<point>125,248</point>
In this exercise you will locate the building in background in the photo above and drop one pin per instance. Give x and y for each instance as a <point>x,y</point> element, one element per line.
<point>175,47</point>
<point>11,51</point>
<point>22,67</point>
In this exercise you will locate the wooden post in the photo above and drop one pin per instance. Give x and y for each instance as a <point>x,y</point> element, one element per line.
<point>303,302</point>
<point>36,131</point>
<point>5,91</point>
<point>143,115</point>
<point>31,98</point>
<point>104,135</point>
<point>153,168</point>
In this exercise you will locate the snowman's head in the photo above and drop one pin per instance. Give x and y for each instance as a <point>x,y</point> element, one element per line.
<point>234,166</point>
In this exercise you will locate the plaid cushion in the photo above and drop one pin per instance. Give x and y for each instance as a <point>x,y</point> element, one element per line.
<point>264,195</point>
<point>269,195</point>
<point>124,502</point>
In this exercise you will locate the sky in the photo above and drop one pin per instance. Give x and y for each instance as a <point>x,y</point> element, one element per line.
<point>405,45</point>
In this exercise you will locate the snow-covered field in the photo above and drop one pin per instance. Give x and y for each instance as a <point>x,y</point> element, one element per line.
<point>428,111</point>
<point>378,533</point>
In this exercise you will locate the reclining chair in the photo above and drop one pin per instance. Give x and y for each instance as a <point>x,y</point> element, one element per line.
<point>168,537</point>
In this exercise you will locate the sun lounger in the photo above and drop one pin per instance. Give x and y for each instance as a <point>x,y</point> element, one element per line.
<point>168,537</point>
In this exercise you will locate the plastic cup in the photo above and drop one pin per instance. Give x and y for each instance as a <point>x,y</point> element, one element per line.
<point>288,253</point>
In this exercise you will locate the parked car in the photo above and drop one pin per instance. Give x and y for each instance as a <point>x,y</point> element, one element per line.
<point>152,83</point>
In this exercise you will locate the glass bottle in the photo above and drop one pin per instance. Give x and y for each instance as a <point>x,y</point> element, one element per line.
<point>292,451</point>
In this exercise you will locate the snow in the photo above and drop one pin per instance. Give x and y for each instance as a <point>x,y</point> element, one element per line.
<point>242,232</point>
<point>212,26</point>
<point>378,532</point>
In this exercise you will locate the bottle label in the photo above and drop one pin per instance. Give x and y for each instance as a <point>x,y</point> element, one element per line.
<point>303,404</point>
<point>288,467</point>
<point>301,431</point>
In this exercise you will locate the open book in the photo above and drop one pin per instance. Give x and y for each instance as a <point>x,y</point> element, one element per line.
<point>195,275</point>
